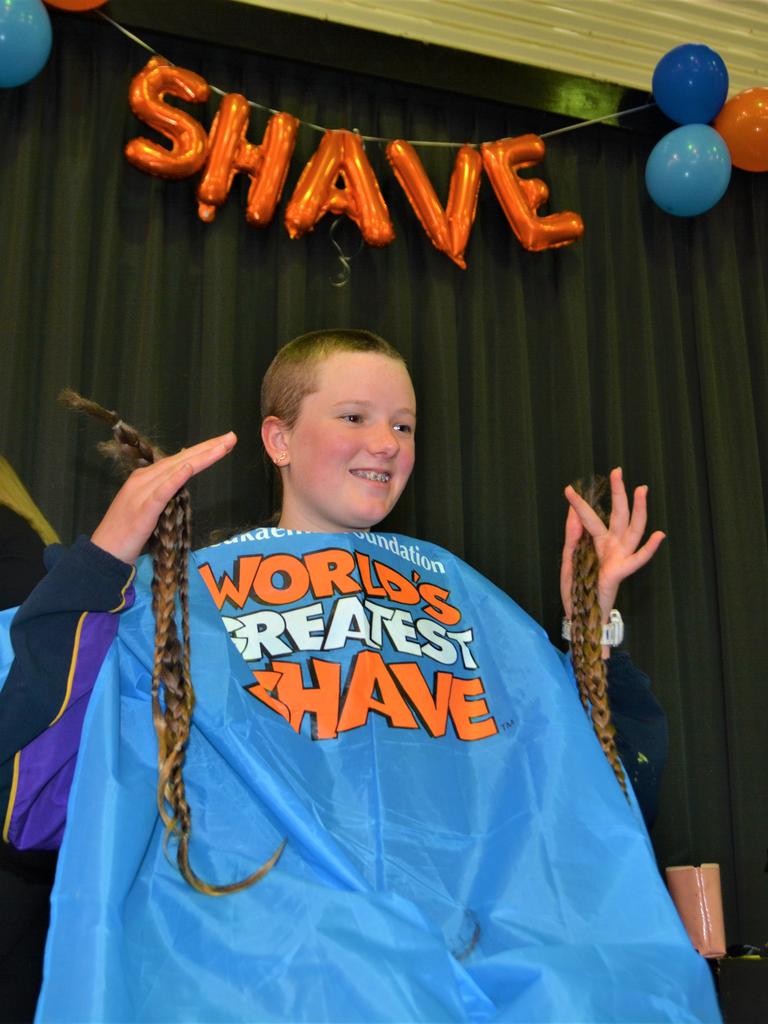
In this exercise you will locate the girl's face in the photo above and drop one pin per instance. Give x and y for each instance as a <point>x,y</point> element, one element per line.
<point>351,450</point>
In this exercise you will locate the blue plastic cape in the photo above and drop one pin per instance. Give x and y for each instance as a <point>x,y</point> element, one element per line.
<point>458,848</point>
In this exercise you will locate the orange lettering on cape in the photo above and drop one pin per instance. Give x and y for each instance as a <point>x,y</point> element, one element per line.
<point>262,689</point>
<point>398,588</point>
<point>321,700</point>
<point>293,573</point>
<point>364,566</point>
<point>398,692</point>
<point>331,572</point>
<point>437,606</point>
<point>432,711</point>
<point>236,593</point>
<point>465,712</point>
<point>370,674</point>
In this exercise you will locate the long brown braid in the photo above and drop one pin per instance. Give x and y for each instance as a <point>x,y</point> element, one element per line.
<point>173,697</point>
<point>586,631</point>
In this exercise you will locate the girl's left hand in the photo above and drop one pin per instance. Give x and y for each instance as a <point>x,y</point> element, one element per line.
<point>617,544</point>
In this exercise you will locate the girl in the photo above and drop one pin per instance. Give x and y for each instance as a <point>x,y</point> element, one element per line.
<point>452,844</point>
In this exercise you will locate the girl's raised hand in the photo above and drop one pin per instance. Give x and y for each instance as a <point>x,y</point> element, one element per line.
<point>618,546</point>
<point>133,514</point>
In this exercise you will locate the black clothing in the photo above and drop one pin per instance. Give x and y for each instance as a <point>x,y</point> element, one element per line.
<point>26,877</point>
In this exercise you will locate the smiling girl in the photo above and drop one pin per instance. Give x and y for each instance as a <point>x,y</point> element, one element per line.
<point>454,845</point>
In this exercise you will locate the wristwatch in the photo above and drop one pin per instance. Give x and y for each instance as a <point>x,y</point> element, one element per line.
<point>613,630</point>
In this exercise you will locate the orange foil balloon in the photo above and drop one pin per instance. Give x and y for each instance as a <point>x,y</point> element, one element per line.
<point>76,5</point>
<point>520,198</point>
<point>229,152</point>
<point>188,136</point>
<point>743,123</point>
<point>448,229</point>
<point>340,155</point>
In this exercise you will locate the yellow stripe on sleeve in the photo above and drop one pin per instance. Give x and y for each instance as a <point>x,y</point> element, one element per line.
<point>72,665</point>
<point>76,647</point>
<point>12,797</point>
<point>128,582</point>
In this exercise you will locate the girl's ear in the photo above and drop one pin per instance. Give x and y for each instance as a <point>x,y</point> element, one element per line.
<point>275,436</point>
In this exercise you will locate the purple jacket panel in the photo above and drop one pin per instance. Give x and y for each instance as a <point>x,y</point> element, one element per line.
<point>45,766</point>
<point>60,635</point>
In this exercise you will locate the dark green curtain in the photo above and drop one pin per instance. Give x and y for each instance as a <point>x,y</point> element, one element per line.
<point>643,345</point>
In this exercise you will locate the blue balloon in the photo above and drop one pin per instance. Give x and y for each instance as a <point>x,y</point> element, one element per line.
<point>690,84</point>
<point>25,40</point>
<point>688,170</point>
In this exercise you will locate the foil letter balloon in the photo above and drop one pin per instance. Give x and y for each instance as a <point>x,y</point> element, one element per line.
<point>187,135</point>
<point>76,5</point>
<point>448,229</point>
<point>340,155</point>
<point>229,152</point>
<point>520,198</point>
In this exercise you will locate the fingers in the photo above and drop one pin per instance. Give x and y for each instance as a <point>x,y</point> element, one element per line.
<point>573,530</point>
<point>589,519</point>
<point>619,505</point>
<point>200,456</point>
<point>133,514</point>
<point>639,518</point>
<point>173,472</point>
<point>644,554</point>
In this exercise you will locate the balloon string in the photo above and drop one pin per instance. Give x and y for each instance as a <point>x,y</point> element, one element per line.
<point>378,138</point>
<point>130,35</point>
<point>596,120</point>
<point>345,273</point>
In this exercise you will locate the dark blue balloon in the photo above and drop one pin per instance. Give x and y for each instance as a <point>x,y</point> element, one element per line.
<point>25,40</point>
<point>688,170</point>
<point>690,84</point>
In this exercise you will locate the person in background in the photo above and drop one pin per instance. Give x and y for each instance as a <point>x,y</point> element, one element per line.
<point>26,877</point>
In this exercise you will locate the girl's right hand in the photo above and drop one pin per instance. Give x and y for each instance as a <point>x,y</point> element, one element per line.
<point>131,518</point>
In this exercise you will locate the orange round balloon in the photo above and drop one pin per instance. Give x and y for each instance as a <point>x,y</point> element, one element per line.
<point>743,123</point>
<point>76,5</point>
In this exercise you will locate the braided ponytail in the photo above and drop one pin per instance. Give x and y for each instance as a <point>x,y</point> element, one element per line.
<point>173,696</point>
<point>586,631</point>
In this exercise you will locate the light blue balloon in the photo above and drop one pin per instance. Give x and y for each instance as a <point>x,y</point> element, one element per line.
<point>25,40</point>
<point>688,170</point>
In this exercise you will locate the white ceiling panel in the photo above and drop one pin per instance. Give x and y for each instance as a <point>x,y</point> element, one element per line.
<point>616,41</point>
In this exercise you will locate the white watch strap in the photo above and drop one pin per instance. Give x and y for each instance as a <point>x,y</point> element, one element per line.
<point>613,629</point>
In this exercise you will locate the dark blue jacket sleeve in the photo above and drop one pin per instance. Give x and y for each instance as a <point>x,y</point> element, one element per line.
<point>59,634</point>
<point>642,733</point>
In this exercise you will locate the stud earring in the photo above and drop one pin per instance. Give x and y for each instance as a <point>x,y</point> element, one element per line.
<point>281,457</point>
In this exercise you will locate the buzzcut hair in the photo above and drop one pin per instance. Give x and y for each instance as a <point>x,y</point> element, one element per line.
<point>292,374</point>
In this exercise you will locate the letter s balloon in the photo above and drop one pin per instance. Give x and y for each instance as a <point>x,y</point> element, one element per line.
<point>188,137</point>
